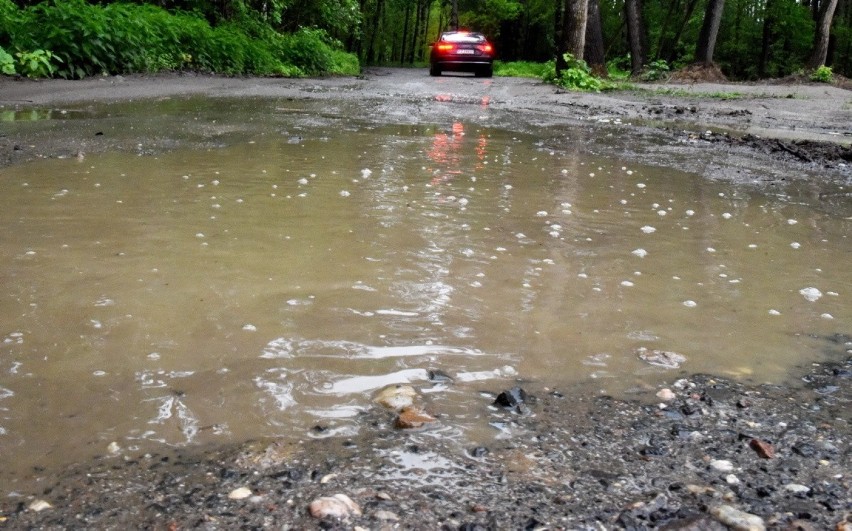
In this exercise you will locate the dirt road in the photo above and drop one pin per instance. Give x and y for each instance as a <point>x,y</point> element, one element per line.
<point>731,131</point>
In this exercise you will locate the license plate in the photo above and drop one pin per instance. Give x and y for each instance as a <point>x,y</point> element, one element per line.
<point>465,52</point>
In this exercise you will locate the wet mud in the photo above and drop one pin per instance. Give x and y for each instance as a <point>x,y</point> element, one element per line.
<point>711,453</point>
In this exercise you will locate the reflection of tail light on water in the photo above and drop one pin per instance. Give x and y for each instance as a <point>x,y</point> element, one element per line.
<point>446,153</point>
<point>485,101</point>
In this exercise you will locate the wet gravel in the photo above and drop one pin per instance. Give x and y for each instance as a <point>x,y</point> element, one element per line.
<point>777,455</point>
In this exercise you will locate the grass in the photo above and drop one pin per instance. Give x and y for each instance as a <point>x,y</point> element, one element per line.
<point>519,69</point>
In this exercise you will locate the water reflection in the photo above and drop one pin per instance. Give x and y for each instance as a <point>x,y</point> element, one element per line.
<point>239,292</point>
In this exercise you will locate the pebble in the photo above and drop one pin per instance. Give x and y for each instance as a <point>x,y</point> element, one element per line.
<point>39,506</point>
<point>721,465</point>
<point>338,506</point>
<point>666,394</point>
<point>396,397</point>
<point>795,488</point>
<point>240,493</point>
<point>737,519</point>
<point>386,515</point>
<point>412,418</point>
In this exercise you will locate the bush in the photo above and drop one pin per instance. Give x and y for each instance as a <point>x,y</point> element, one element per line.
<point>576,76</point>
<point>822,74</point>
<point>519,69</point>
<point>7,63</point>
<point>656,70</point>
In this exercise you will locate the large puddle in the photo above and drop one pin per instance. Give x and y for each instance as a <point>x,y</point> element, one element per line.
<point>273,284</point>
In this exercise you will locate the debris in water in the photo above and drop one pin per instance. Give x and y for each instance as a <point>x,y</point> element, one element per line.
<point>661,358</point>
<point>811,294</point>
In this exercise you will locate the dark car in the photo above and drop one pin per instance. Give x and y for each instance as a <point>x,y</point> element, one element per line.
<point>462,51</point>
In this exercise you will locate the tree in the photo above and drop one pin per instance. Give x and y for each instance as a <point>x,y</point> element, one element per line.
<point>594,53</point>
<point>573,34</point>
<point>709,31</point>
<point>823,28</point>
<point>635,36</point>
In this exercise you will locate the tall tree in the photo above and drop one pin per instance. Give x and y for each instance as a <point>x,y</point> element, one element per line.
<point>573,35</point>
<point>594,53</point>
<point>823,28</point>
<point>709,31</point>
<point>635,36</point>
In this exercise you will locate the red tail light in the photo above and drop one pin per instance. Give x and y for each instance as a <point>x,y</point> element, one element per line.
<point>445,47</point>
<point>486,48</point>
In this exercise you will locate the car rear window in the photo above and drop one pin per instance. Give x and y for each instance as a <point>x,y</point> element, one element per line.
<point>463,37</point>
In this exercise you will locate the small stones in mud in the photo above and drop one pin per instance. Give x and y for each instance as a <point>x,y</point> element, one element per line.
<point>763,448</point>
<point>339,506</point>
<point>737,519</point>
<point>666,395</point>
<point>722,465</point>
<point>39,505</point>
<point>413,418</point>
<point>396,397</point>
<point>240,493</point>
<point>661,358</point>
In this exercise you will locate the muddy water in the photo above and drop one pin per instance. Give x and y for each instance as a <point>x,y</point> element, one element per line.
<point>273,284</point>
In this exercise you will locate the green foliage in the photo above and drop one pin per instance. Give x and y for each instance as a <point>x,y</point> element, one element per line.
<point>656,70</point>
<point>38,63</point>
<point>576,76</point>
<point>519,69</point>
<point>7,63</point>
<point>822,74</point>
<point>88,39</point>
<point>619,68</point>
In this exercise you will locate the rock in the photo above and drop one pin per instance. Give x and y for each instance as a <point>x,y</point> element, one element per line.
<point>339,506</point>
<point>721,465</point>
<point>113,448</point>
<point>796,488</point>
<point>412,418</point>
<point>39,505</point>
<point>737,519</point>
<point>666,395</point>
<point>438,376</point>
<point>513,397</point>
<point>326,478</point>
<point>732,479</point>
<point>661,358</point>
<point>694,523</point>
<point>396,397</point>
<point>240,493</point>
<point>763,448</point>
<point>386,515</point>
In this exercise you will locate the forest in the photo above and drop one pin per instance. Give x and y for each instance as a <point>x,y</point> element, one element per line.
<point>642,39</point>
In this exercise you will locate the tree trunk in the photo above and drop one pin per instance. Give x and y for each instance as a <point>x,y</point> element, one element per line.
<point>594,52</point>
<point>574,20</point>
<point>635,35</point>
<point>823,30</point>
<point>709,31</point>
<point>672,54</point>
<point>766,42</point>
<point>405,34</point>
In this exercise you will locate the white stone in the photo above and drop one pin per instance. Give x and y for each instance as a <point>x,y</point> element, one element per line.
<point>796,488</point>
<point>737,519</point>
<point>339,506</point>
<point>240,493</point>
<point>666,394</point>
<point>721,465</point>
<point>39,505</point>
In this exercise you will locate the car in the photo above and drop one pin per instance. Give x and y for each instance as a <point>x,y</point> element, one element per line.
<point>462,51</point>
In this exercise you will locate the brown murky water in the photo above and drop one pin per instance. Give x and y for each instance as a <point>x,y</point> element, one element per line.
<point>271,285</point>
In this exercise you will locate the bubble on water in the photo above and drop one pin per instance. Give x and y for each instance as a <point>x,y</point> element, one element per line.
<point>727,215</point>
<point>627,283</point>
<point>249,328</point>
<point>463,201</point>
<point>774,312</point>
<point>476,284</point>
<point>507,186</point>
<point>711,250</point>
<point>623,201</point>
<point>365,173</point>
<point>641,253</point>
<point>564,172</point>
<point>795,245</point>
<point>541,213</point>
<point>199,235</point>
<point>99,373</point>
<point>154,356</point>
<point>302,181</point>
<point>467,252</point>
<point>344,193</point>
<point>555,233</point>
<point>690,212</point>
<point>582,275</point>
<point>640,185</point>
<point>690,304</point>
<point>661,212</point>
<point>30,253</point>
<point>810,294</point>
<point>752,246</point>
<point>520,235</point>
<point>791,222</point>
<point>629,172</point>
<point>215,182</point>
<point>832,294</point>
<point>647,229</point>
<point>240,200</point>
<point>96,324</point>
<point>827,316</point>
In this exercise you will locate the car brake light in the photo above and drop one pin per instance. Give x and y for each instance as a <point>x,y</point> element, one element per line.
<point>486,48</point>
<point>445,47</point>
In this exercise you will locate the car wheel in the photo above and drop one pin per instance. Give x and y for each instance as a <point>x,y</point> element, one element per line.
<point>434,70</point>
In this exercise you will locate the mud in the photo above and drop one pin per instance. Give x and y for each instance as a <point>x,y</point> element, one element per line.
<point>569,458</point>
